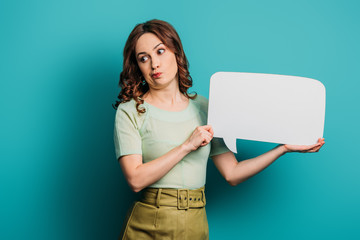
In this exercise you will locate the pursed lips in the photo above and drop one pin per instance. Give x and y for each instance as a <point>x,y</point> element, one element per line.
<point>156,75</point>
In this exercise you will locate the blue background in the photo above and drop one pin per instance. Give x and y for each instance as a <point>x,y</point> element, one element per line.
<point>60,63</point>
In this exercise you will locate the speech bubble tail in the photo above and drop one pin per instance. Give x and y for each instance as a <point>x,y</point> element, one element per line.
<point>231,144</point>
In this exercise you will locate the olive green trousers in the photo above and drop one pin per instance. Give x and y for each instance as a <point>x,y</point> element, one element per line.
<point>164,213</point>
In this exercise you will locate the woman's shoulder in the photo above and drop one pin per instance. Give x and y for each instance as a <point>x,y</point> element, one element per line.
<point>201,102</point>
<point>129,108</point>
<point>127,113</point>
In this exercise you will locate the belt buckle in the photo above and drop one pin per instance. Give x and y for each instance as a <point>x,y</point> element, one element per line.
<point>179,199</point>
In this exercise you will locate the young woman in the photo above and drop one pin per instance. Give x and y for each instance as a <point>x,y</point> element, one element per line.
<point>163,144</point>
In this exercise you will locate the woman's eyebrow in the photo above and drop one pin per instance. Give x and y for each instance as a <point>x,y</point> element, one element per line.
<point>145,52</point>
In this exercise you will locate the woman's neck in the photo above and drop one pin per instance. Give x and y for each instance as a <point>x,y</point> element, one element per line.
<point>167,99</point>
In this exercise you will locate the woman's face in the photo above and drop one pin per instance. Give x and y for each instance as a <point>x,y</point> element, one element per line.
<point>156,62</point>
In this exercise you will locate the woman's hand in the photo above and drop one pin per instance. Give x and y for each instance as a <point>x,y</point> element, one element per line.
<point>200,137</point>
<point>305,148</point>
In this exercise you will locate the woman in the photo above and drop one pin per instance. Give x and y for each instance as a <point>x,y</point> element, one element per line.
<point>162,142</point>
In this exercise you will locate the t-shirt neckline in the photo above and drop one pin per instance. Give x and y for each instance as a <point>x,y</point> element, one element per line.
<point>172,116</point>
<point>163,110</point>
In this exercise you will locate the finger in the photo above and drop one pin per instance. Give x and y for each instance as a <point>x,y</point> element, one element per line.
<point>204,133</point>
<point>316,149</point>
<point>211,130</point>
<point>207,134</point>
<point>204,137</point>
<point>311,149</point>
<point>206,141</point>
<point>320,147</point>
<point>315,145</point>
<point>208,128</point>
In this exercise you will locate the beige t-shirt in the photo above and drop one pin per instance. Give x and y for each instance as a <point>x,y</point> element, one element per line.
<point>156,132</point>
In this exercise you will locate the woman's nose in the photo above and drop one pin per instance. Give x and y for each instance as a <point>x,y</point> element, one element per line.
<point>155,62</point>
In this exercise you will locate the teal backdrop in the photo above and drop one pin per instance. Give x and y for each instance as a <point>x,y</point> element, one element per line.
<point>60,64</point>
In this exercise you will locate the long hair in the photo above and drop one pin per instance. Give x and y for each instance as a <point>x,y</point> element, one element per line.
<point>131,82</point>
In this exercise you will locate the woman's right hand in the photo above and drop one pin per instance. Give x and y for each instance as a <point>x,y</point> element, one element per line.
<point>200,137</point>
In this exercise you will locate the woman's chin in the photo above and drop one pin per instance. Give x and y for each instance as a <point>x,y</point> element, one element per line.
<point>162,83</point>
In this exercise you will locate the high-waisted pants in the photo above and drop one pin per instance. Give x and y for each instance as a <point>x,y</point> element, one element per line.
<point>165,213</point>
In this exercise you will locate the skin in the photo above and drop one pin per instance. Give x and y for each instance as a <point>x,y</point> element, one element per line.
<point>153,57</point>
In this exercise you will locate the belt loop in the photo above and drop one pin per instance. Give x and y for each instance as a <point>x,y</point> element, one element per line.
<point>158,198</point>
<point>203,196</point>
<point>178,199</point>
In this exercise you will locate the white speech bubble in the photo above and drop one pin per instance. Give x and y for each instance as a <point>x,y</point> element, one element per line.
<point>266,107</point>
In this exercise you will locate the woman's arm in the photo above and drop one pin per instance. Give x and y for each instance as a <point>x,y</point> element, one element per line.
<point>140,175</point>
<point>236,172</point>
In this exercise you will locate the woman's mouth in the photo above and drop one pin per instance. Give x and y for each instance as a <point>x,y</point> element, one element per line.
<point>156,75</point>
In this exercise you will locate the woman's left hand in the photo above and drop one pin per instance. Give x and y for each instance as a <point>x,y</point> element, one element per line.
<point>305,148</point>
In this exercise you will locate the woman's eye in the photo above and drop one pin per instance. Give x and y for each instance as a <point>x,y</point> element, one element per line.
<point>161,51</point>
<point>143,59</point>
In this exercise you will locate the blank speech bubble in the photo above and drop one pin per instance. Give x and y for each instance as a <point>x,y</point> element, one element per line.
<point>266,107</point>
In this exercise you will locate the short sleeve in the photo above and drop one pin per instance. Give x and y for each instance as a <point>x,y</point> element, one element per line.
<point>127,138</point>
<point>218,147</point>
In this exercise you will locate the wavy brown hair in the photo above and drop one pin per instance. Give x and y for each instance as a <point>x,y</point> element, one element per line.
<point>131,78</point>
